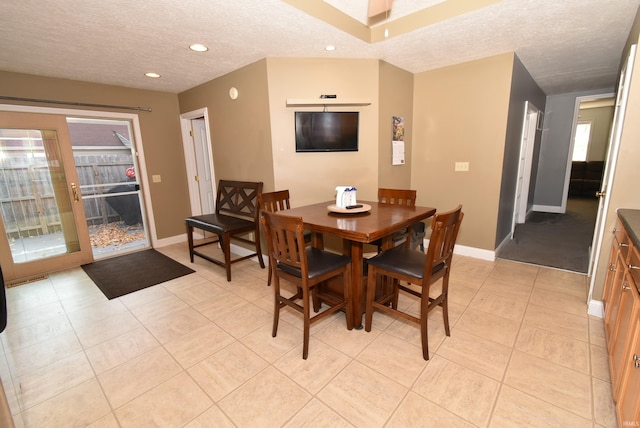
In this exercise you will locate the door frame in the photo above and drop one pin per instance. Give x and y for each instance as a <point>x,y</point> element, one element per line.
<point>101,114</point>
<point>530,124</point>
<point>610,166</point>
<point>574,127</point>
<point>190,156</point>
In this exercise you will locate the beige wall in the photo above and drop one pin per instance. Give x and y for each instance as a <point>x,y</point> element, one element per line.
<point>313,177</point>
<point>460,114</point>
<point>396,99</point>
<point>240,128</point>
<point>627,173</point>
<point>161,139</point>
<point>600,118</point>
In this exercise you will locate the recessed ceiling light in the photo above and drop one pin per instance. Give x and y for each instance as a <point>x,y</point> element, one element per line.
<point>154,75</point>
<point>330,48</point>
<point>198,47</point>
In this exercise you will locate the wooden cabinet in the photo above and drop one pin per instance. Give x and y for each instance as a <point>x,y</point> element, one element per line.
<point>628,402</point>
<point>621,299</point>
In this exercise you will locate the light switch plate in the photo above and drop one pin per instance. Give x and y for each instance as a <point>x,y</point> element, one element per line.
<point>156,178</point>
<point>462,166</point>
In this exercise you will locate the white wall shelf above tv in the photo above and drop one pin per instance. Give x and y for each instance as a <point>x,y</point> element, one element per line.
<point>302,102</point>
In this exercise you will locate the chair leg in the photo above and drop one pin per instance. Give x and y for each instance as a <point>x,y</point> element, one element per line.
<point>258,247</point>
<point>190,241</point>
<point>315,299</point>
<point>445,304</point>
<point>306,314</point>
<point>226,249</point>
<point>277,306</point>
<point>396,293</point>
<point>269,277</point>
<point>445,315</point>
<point>424,336</point>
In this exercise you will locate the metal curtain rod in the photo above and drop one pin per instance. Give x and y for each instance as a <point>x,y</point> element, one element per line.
<point>75,104</point>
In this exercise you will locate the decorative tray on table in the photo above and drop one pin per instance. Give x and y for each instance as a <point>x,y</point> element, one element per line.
<point>359,208</point>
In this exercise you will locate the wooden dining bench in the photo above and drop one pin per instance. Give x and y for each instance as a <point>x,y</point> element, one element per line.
<point>237,215</point>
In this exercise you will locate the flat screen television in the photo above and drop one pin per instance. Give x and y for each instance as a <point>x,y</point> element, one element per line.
<point>326,131</point>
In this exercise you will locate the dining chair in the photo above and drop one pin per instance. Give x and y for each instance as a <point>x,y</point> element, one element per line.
<point>420,271</point>
<point>415,234</point>
<point>307,268</point>
<point>274,202</point>
<point>236,216</point>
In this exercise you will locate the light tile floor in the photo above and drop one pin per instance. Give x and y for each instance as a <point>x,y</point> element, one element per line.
<point>197,352</point>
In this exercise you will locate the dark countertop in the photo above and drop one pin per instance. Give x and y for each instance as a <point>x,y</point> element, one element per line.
<point>631,221</point>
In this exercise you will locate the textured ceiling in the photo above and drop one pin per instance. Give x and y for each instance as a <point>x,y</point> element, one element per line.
<point>567,45</point>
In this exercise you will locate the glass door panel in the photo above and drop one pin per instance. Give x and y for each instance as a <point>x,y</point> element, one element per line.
<point>105,158</point>
<point>39,197</point>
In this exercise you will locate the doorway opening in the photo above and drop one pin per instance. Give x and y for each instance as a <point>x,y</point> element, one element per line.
<point>199,160</point>
<point>562,239</point>
<point>106,163</point>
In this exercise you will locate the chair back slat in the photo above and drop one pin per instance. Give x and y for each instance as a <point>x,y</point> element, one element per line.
<point>286,241</point>
<point>238,198</point>
<point>397,196</point>
<point>444,232</point>
<point>275,201</point>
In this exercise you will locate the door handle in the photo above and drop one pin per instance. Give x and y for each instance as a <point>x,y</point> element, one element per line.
<point>74,190</point>
<point>601,194</point>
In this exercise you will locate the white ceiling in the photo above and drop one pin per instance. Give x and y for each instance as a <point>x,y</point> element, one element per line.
<point>567,45</point>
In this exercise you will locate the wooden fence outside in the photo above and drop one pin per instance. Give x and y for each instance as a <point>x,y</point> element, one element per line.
<point>27,198</point>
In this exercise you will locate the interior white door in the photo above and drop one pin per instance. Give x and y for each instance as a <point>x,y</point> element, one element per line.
<point>204,178</point>
<point>198,161</point>
<point>525,164</point>
<point>610,163</point>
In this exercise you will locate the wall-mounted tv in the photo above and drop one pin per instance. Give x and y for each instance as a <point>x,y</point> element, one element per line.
<point>326,131</point>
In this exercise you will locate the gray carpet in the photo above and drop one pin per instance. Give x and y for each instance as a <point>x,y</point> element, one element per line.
<point>556,240</point>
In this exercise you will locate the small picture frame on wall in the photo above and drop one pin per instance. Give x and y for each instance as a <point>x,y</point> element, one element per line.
<point>397,143</point>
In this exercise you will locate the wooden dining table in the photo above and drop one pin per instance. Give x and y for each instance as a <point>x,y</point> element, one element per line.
<point>356,229</point>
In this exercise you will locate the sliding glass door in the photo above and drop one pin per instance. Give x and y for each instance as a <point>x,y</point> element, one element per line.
<point>43,219</point>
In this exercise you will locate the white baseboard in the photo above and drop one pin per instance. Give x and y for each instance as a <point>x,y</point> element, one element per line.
<point>476,253</point>
<point>504,242</point>
<point>177,239</point>
<point>548,209</point>
<point>596,308</point>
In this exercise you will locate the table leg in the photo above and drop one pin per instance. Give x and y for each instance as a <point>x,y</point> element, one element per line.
<point>357,290</point>
<point>317,240</point>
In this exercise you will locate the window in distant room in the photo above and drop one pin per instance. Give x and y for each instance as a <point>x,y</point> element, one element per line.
<point>581,142</point>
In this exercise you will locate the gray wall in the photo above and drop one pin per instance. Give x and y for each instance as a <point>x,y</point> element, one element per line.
<point>554,156</point>
<point>523,88</point>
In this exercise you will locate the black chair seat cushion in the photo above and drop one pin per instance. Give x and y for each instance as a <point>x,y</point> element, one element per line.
<point>219,223</point>
<point>403,260</point>
<point>319,262</point>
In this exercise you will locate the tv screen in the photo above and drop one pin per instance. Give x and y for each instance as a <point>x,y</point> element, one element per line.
<point>326,131</point>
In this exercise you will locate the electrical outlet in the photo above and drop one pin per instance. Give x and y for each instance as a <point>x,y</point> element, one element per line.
<point>462,166</point>
<point>156,178</point>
